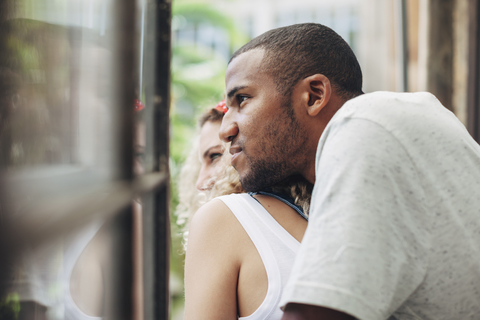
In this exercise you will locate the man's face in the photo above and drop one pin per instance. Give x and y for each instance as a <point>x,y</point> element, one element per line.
<point>267,140</point>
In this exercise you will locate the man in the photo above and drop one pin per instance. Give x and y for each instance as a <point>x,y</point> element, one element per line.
<point>394,230</point>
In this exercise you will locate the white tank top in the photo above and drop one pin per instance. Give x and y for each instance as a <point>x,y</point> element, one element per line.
<point>277,249</point>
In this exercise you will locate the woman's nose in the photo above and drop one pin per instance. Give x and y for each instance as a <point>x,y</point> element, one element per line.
<point>203,180</point>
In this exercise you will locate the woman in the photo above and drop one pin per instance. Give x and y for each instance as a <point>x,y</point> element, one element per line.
<point>241,246</point>
<point>199,169</point>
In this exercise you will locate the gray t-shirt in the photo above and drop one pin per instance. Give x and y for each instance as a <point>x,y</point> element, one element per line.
<point>394,230</point>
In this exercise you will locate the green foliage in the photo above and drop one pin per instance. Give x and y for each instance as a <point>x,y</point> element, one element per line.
<point>10,306</point>
<point>197,84</point>
<point>197,73</point>
<point>204,13</point>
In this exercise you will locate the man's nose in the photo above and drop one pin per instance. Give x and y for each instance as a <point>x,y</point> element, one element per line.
<point>228,129</point>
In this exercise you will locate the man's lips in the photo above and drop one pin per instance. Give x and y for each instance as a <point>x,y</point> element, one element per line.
<point>234,156</point>
<point>235,152</point>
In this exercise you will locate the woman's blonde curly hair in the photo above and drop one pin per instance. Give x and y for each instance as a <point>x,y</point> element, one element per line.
<point>190,199</point>
<point>227,182</point>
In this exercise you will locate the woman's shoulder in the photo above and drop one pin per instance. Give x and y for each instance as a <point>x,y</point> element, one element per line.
<point>212,211</point>
<point>214,221</point>
<point>218,209</point>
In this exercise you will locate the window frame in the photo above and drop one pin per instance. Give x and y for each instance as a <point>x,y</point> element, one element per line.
<point>74,196</point>
<point>473,90</point>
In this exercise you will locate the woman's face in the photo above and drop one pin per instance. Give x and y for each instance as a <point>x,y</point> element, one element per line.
<point>210,151</point>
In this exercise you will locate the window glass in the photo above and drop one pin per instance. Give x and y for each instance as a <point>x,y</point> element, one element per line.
<point>60,86</point>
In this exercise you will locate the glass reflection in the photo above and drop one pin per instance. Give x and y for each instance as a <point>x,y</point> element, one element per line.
<point>58,113</point>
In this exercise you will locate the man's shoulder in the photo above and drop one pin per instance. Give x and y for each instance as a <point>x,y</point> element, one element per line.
<point>383,103</point>
<point>381,97</point>
<point>377,117</point>
<point>397,113</point>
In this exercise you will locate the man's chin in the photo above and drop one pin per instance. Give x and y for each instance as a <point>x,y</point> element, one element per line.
<point>247,183</point>
<point>252,184</point>
<point>261,175</point>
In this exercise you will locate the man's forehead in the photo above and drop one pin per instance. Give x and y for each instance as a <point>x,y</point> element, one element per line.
<point>245,65</point>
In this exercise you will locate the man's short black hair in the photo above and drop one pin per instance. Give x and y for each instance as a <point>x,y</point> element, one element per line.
<point>301,50</point>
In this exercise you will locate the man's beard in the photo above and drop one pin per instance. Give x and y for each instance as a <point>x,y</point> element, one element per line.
<point>263,174</point>
<point>282,161</point>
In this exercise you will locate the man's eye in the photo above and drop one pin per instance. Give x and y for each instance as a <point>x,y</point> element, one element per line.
<point>214,156</point>
<point>240,99</point>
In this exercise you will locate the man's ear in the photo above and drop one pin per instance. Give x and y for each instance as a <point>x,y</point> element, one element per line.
<point>317,92</point>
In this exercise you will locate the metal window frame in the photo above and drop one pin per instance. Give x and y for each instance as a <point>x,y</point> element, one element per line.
<point>111,199</point>
<point>156,227</point>
<point>473,90</point>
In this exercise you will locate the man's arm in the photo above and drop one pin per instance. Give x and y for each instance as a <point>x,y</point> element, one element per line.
<point>297,311</point>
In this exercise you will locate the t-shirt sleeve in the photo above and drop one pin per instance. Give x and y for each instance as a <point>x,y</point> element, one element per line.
<point>364,249</point>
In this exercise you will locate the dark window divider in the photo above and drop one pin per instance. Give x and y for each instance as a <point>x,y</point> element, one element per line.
<point>473,93</point>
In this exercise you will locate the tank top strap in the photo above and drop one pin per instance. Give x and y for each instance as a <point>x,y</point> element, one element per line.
<point>284,198</point>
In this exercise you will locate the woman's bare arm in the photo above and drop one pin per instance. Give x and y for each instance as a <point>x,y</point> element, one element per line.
<point>212,263</point>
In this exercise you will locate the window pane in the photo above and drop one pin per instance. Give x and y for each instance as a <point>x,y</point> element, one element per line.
<point>59,86</point>
<point>66,106</point>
